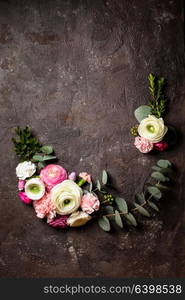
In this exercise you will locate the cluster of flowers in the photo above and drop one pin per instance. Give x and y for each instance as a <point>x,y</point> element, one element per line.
<point>55,195</point>
<point>150,134</point>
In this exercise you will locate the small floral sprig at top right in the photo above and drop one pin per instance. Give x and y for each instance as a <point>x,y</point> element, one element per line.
<point>151,133</point>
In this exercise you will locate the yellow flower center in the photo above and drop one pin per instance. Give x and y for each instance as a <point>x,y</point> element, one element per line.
<point>67,201</point>
<point>150,128</point>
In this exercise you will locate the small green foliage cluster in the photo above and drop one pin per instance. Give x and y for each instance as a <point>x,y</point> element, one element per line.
<point>27,147</point>
<point>119,212</point>
<point>158,101</point>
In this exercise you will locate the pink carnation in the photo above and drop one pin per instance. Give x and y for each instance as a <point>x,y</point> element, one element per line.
<point>161,146</point>
<point>90,203</point>
<point>59,222</point>
<point>143,144</point>
<point>52,175</point>
<point>44,207</point>
<point>21,185</point>
<point>85,176</point>
<point>24,198</point>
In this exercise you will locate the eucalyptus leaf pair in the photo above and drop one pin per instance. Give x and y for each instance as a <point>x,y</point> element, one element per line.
<point>41,158</point>
<point>104,180</point>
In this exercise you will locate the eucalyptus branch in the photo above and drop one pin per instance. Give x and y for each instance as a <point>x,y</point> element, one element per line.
<point>132,210</point>
<point>152,189</point>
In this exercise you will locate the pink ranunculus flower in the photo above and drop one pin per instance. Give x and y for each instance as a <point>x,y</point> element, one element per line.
<point>45,207</point>
<point>52,175</point>
<point>85,176</point>
<point>24,198</point>
<point>143,145</point>
<point>59,222</point>
<point>90,203</point>
<point>161,146</point>
<point>21,185</point>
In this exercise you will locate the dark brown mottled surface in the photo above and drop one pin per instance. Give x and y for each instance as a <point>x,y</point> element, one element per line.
<point>75,71</point>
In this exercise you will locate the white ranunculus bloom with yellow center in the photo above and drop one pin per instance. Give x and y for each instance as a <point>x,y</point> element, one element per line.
<point>34,189</point>
<point>78,219</point>
<point>152,129</point>
<point>66,197</point>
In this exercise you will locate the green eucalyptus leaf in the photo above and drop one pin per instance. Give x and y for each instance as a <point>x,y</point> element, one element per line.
<point>164,171</point>
<point>131,219</point>
<point>162,187</point>
<point>49,157</point>
<point>104,223</point>
<point>118,219</point>
<point>142,210</point>
<point>90,186</point>
<point>108,209</point>
<point>156,168</point>
<point>104,177</point>
<point>37,158</point>
<point>155,192</point>
<point>41,165</point>
<point>142,112</point>
<point>47,149</point>
<point>159,176</point>
<point>98,185</point>
<point>163,163</point>
<point>122,204</point>
<point>140,198</point>
<point>167,171</point>
<point>153,205</point>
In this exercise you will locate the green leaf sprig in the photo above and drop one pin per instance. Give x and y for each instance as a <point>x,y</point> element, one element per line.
<point>25,145</point>
<point>119,211</point>
<point>158,100</point>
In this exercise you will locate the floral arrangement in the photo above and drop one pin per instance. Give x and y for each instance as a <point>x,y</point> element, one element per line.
<point>70,200</point>
<point>151,133</point>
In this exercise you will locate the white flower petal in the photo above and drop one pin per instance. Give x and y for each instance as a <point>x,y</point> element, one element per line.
<point>78,219</point>
<point>66,197</point>
<point>25,170</point>
<point>34,189</point>
<point>152,128</point>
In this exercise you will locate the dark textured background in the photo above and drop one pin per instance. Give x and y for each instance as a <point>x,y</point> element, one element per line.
<point>75,71</point>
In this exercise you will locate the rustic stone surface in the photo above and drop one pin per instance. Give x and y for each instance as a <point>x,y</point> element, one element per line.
<point>75,71</point>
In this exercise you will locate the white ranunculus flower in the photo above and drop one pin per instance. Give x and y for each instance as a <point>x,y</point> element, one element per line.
<point>66,197</point>
<point>78,219</point>
<point>152,129</point>
<point>25,170</point>
<point>34,189</point>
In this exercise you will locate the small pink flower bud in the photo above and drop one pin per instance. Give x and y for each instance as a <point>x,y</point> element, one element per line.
<point>72,176</point>
<point>21,185</point>
<point>24,198</point>
<point>161,146</point>
<point>59,222</point>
